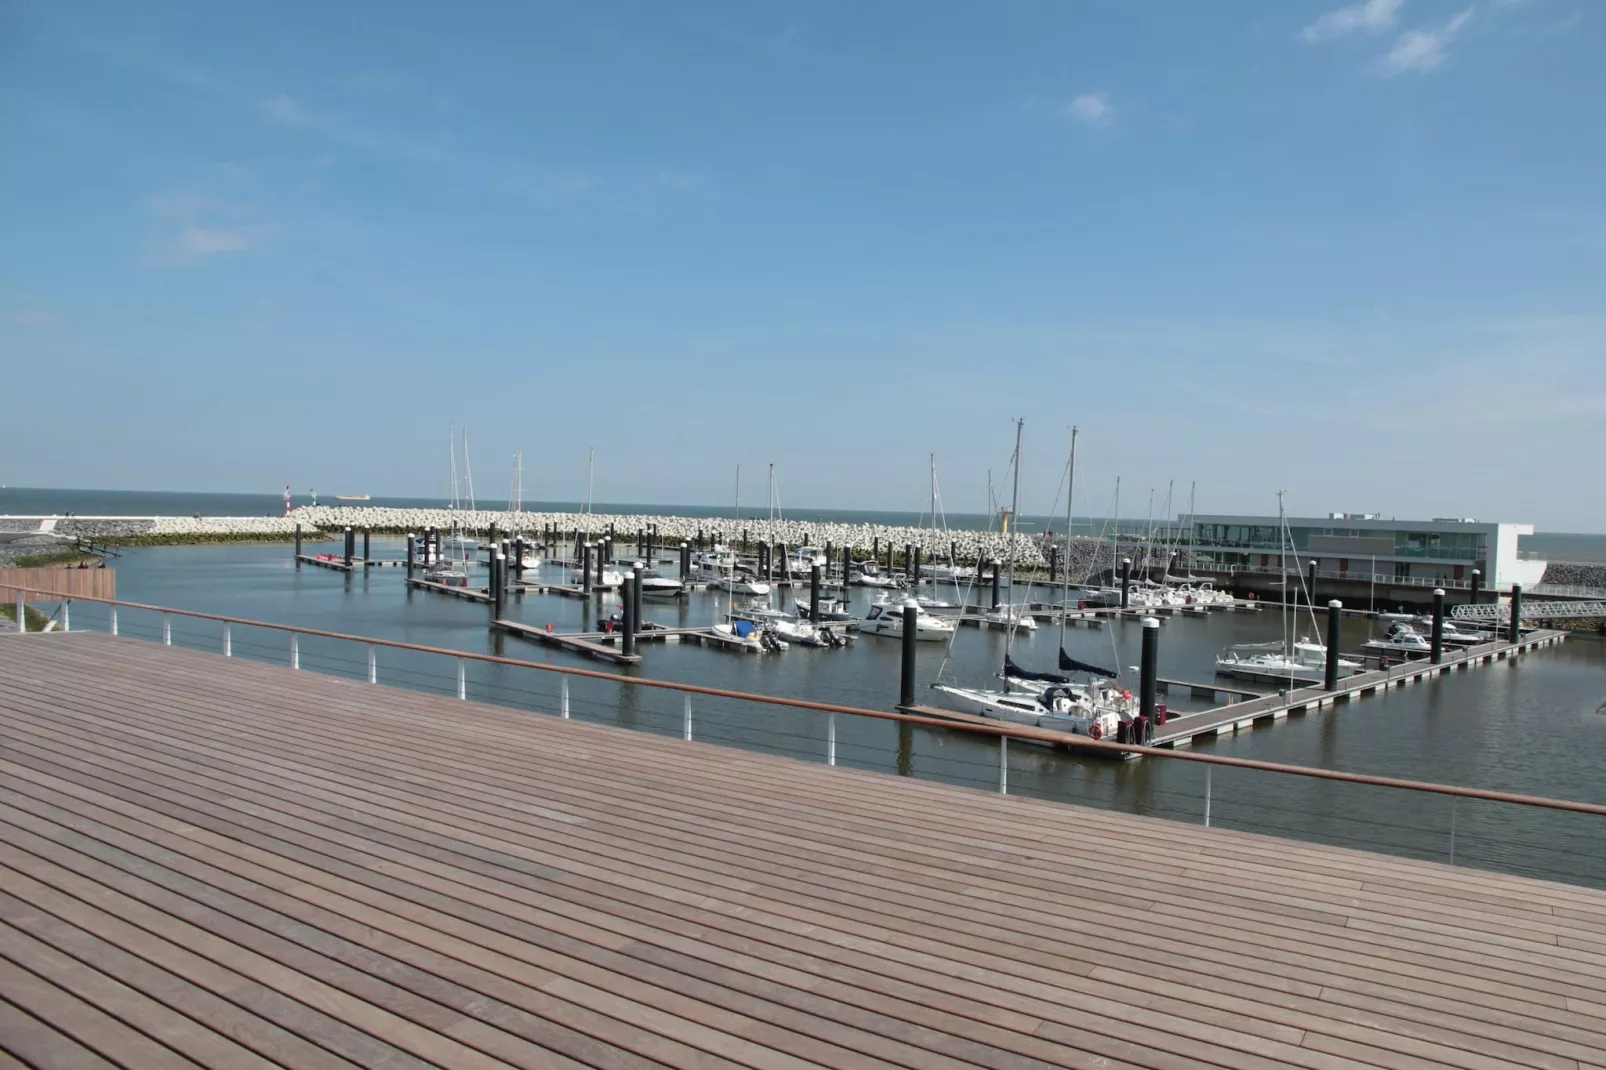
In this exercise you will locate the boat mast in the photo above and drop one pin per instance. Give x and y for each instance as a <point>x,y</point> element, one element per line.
<point>515,500</point>
<point>1014,527</point>
<point>1065,565</point>
<point>1115,559</point>
<point>738,492</point>
<point>591,458</point>
<point>451,453</point>
<point>1282,568</point>
<point>468,475</point>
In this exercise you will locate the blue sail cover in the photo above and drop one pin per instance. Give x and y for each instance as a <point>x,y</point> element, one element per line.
<point>1070,664</point>
<point>1011,669</point>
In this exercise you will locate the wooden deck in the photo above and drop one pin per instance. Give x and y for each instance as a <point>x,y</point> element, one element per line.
<point>227,864</point>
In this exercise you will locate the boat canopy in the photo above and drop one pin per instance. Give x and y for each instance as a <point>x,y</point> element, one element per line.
<point>1012,669</point>
<point>1070,664</point>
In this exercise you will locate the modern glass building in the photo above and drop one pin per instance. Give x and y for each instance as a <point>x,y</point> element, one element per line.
<point>1367,548</point>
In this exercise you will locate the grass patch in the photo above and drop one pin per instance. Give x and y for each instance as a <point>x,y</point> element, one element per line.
<point>36,619</point>
<point>52,557</point>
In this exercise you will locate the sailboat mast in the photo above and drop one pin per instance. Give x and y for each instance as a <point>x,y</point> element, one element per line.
<point>1065,565</point>
<point>1115,559</point>
<point>451,453</point>
<point>468,475</point>
<point>738,492</point>
<point>1282,568</point>
<point>591,459</point>
<point>1014,527</point>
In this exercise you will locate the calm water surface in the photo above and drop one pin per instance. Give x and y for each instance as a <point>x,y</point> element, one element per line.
<point>1530,727</point>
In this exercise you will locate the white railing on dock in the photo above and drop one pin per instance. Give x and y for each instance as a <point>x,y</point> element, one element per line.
<point>1206,806</point>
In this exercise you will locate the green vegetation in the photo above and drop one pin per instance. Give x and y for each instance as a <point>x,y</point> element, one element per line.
<point>176,539</point>
<point>36,619</point>
<point>65,556</point>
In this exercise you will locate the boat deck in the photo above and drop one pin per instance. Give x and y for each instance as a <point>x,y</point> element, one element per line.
<point>220,863</point>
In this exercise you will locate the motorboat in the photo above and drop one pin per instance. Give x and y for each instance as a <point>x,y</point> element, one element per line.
<point>831,609</point>
<point>656,585</point>
<point>529,562</point>
<point>748,634</point>
<point>741,585</point>
<point>869,574</point>
<point>1454,633</point>
<point>1272,663</point>
<point>809,634</point>
<point>949,573</point>
<point>1011,617</point>
<point>1401,639</point>
<point>930,602</point>
<point>886,618</point>
<point>1202,593</point>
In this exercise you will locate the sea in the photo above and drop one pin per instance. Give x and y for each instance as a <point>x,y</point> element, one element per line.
<point>29,501</point>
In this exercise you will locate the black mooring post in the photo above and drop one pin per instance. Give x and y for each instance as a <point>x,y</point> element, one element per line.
<point>585,569</point>
<point>1310,583</point>
<point>1335,610</point>
<point>1438,625</point>
<point>997,572</point>
<point>498,586</point>
<point>908,557</point>
<point>916,567</point>
<point>906,683</point>
<point>889,558</point>
<point>635,595</point>
<point>814,593</point>
<point>627,639</point>
<point>1053,563</point>
<point>1477,585</point>
<point>1126,582</point>
<point>685,561</point>
<point>605,548</point>
<point>298,545</point>
<point>1149,668</point>
<point>367,534</point>
<point>351,545</point>
<point>1516,612</point>
<point>411,552</point>
<point>518,559</point>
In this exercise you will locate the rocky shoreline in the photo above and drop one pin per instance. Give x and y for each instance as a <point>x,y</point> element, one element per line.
<point>1088,557</point>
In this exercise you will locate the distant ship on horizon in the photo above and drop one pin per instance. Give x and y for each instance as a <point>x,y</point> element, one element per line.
<point>351,497</point>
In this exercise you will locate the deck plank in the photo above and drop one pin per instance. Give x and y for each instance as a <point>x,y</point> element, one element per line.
<point>266,867</point>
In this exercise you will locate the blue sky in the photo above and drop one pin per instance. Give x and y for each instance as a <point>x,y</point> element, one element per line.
<point>1353,251</point>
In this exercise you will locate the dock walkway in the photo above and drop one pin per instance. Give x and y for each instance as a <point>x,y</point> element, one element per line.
<point>220,863</point>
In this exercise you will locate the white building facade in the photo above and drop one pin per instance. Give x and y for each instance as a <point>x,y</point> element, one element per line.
<point>1367,548</point>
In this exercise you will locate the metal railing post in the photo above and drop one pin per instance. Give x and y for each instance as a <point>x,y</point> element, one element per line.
<point>228,641</point>
<point>1453,800</point>
<point>373,665</point>
<point>563,696</point>
<point>113,625</point>
<point>167,630</point>
<point>22,612</point>
<point>1207,796</point>
<point>687,733</point>
<point>295,650</point>
<point>462,680</point>
<point>830,739</point>
<point>66,610</point>
<point>1003,765</point>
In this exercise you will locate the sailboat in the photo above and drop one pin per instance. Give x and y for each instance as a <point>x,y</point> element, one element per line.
<point>1291,664</point>
<point>459,543</point>
<point>1046,699</point>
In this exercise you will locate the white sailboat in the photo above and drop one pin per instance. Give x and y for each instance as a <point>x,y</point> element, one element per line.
<point>1098,709</point>
<point>1289,662</point>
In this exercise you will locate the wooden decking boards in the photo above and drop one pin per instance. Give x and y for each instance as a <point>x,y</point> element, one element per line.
<point>213,862</point>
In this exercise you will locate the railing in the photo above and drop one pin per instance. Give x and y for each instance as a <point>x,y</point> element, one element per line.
<point>1565,590</point>
<point>1554,838</point>
<point>1379,578</point>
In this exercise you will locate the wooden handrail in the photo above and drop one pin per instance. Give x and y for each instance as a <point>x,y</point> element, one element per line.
<point>1002,730</point>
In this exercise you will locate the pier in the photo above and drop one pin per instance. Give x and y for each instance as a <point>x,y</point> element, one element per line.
<point>231,863</point>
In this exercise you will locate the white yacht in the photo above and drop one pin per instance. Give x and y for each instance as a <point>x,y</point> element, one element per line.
<point>1307,664</point>
<point>656,585</point>
<point>886,618</point>
<point>611,577</point>
<point>1097,712</point>
<point>831,609</point>
<point>1401,639</point>
<point>800,561</point>
<point>869,574</point>
<point>448,573</point>
<point>1011,617</point>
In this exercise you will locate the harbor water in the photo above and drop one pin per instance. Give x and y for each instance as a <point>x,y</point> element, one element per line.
<point>1530,726</point>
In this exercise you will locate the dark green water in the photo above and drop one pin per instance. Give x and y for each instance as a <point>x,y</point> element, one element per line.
<point>1529,727</point>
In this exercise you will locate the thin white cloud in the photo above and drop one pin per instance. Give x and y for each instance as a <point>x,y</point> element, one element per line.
<point>1091,109</point>
<point>198,241</point>
<point>1364,16</point>
<point>33,319</point>
<point>1422,50</point>
<point>283,109</point>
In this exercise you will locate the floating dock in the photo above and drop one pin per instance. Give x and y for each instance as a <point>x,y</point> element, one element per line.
<point>574,644</point>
